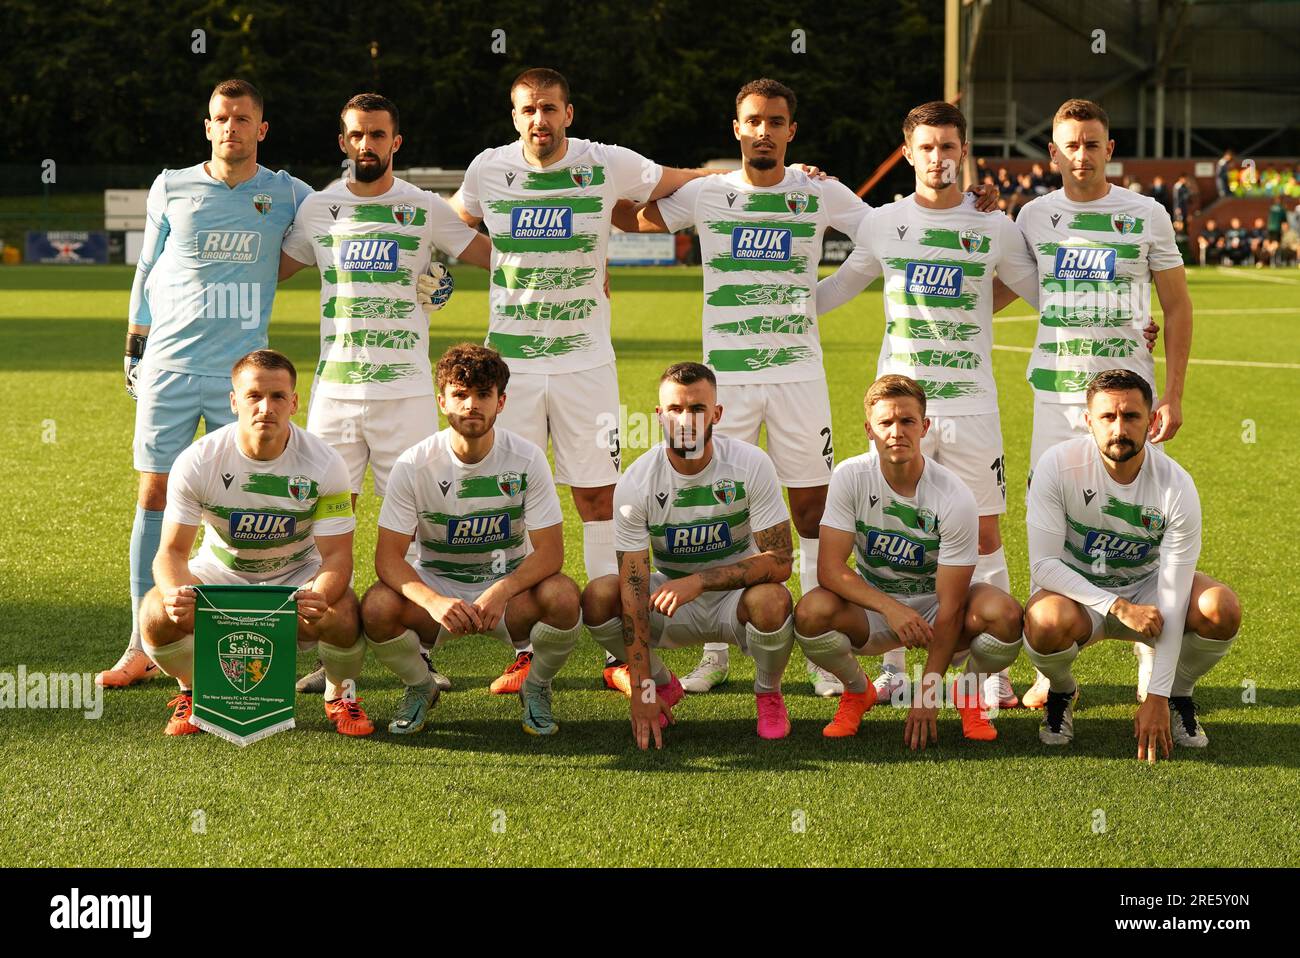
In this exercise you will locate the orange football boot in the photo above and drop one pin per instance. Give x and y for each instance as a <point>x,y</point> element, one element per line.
<point>348,717</point>
<point>179,723</point>
<point>511,680</point>
<point>853,705</point>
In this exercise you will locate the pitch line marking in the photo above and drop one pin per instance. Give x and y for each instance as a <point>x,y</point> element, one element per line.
<point>1200,362</point>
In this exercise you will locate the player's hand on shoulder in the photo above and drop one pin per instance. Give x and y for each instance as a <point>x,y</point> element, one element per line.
<point>1151,728</point>
<point>813,172</point>
<point>986,197</point>
<point>311,605</point>
<point>434,288</point>
<point>675,593</point>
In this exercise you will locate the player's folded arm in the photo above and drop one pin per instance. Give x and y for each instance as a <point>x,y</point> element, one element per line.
<point>1050,572</point>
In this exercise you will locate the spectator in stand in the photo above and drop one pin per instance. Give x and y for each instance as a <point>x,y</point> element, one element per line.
<point>1259,250</point>
<point>1024,193</point>
<point>1221,173</point>
<point>1038,180</point>
<point>1276,217</point>
<point>1134,185</point>
<point>1160,193</point>
<point>1288,246</point>
<point>1211,243</point>
<point>1182,197</point>
<point>1236,242</point>
<point>1006,188</point>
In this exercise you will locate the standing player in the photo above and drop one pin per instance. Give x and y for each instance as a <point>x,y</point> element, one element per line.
<point>1100,248</point>
<point>201,299</point>
<point>470,494</point>
<point>939,256</point>
<point>710,510</point>
<point>912,524</point>
<point>1114,537</point>
<point>760,231</point>
<point>546,201</point>
<point>274,503</point>
<point>371,235</point>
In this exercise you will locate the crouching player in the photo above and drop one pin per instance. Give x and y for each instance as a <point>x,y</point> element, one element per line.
<point>710,510</point>
<point>471,493</point>
<point>914,528</point>
<point>1114,535</point>
<point>275,504</point>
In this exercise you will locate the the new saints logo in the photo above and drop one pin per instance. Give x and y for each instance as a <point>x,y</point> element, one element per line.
<point>902,231</point>
<point>1056,218</point>
<point>227,478</point>
<point>509,483</point>
<point>796,202</point>
<point>1153,520</point>
<point>510,177</point>
<point>334,211</point>
<point>661,498</point>
<point>262,203</point>
<point>1089,495</point>
<point>581,176</point>
<point>971,240</point>
<point>724,490</point>
<point>1122,223</point>
<point>444,486</point>
<point>300,488</point>
<point>245,659</point>
<point>404,214</point>
<point>731,199</point>
<point>926,520</point>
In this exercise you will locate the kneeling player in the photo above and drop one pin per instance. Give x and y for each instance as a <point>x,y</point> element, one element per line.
<point>914,527</point>
<point>472,492</point>
<point>710,510</point>
<point>1114,535</point>
<point>275,504</point>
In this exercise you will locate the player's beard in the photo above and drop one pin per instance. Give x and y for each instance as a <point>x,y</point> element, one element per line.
<point>1121,450</point>
<point>471,428</point>
<point>544,151</point>
<point>692,449</point>
<point>370,172</point>
<point>762,162</point>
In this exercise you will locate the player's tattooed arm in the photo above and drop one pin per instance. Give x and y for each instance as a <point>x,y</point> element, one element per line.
<point>634,589</point>
<point>773,564</point>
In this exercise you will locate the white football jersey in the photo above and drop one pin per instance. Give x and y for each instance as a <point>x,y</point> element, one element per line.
<point>693,523</point>
<point>900,541</point>
<point>1094,264</point>
<point>471,519</point>
<point>260,518</point>
<point>370,251</point>
<point>548,312</point>
<point>760,247</point>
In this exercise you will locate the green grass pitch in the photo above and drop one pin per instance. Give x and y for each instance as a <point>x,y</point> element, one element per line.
<point>474,789</point>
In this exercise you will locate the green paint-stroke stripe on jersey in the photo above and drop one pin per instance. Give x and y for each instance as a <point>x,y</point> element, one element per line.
<point>949,358</point>
<point>561,179</point>
<point>752,360</point>
<point>903,298</point>
<point>516,513</point>
<point>759,294</point>
<point>269,484</point>
<point>1122,250</point>
<point>537,347</point>
<point>1150,559</point>
<point>905,328</point>
<point>688,496</point>
<point>732,520</point>
<point>378,338</point>
<point>912,585</point>
<point>381,213</point>
<point>1112,346</point>
<point>1059,380</point>
<point>1083,530</point>
<point>725,264</point>
<point>366,307</point>
<point>792,325</point>
<point>351,277</point>
<point>577,243</point>
<point>358,373</point>
<point>470,571</point>
<point>802,230</point>
<point>402,240</point>
<point>1102,223</point>
<point>473,548</point>
<point>224,512</point>
<point>543,277</point>
<point>579,204</point>
<point>1129,512</point>
<point>775,203</point>
<point>239,564</point>
<point>487,487</point>
<point>736,547</point>
<point>950,239</point>
<point>905,514</point>
<point>968,266</point>
<point>565,311</point>
<point>949,389</point>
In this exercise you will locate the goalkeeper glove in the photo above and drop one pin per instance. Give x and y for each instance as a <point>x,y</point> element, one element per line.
<point>131,361</point>
<point>434,288</point>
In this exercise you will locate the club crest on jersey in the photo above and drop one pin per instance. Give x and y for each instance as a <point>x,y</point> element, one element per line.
<point>697,538</point>
<point>928,279</point>
<point>262,203</point>
<point>509,483</point>
<point>245,659</point>
<point>373,255</point>
<point>1153,520</point>
<point>404,214</point>
<point>748,242</point>
<point>229,246</point>
<point>1084,262</point>
<point>300,488</point>
<point>581,176</point>
<point>796,201</point>
<point>971,240</point>
<point>926,520</point>
<point>1103,545</point>
<point>724,490</point>
<point>896,549</point>
<point>261,526</point>
<point>541,222</point>
<point>478,530</point>
<point>1122,223</point>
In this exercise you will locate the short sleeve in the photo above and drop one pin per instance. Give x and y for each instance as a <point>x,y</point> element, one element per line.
<point>841,510</point>
<point>297,242</point>
<point>301,191</point>
<point>469,190</point>
<point>1164,248</point>
<point>678,207</point>
<point>844,210</point>
<point>184,489</point>
<point>632,175</point>
<point>333,516</point>
<point>398,512</point>
<point>766,507</point>
<point>959,529</point>
<point>447,230</point>
<point>1017,266</point>
<point>631,530</point>
<point>541,501</point>
<point>1045,509</point>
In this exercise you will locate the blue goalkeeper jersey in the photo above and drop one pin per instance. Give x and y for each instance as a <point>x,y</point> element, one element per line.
<point>206,278</point>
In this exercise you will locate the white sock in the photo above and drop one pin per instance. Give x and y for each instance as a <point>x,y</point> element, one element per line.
<point>1198,656</point>
<point>771,653</point>
<point>721,649</point>
<point>598,549</point>
<point>833,652</point>
<point>402,657</point>
<point>1056,666</point>
<point>895,660</point>
<point>551,648</point>
<point>808,564</point>
<point>992,568</point>
<point>341,665</point>
<point>175,659</point>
